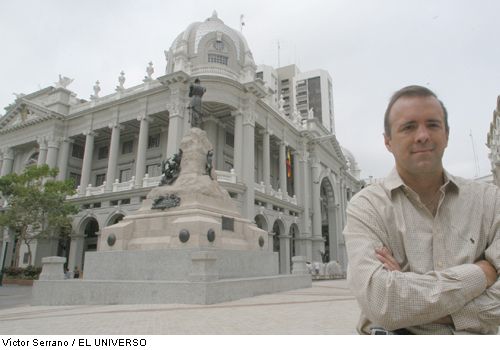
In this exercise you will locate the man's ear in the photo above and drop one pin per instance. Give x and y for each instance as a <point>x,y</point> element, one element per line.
<point>387,142</point>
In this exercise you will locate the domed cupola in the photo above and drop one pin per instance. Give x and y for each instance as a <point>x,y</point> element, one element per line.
<point>211,48</point>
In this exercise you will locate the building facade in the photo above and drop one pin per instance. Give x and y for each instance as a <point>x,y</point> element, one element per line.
<point>493,143</point>
<point>285,169</point>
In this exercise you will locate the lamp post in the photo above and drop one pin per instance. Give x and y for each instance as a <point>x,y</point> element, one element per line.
<point>3,262</point>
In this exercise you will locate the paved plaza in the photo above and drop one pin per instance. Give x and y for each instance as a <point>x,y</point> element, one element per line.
<point>326,308</point>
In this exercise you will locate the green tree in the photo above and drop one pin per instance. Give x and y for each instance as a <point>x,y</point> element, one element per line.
<point>36,205</point>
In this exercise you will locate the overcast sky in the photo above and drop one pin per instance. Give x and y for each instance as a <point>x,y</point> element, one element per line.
<point>370,48</point>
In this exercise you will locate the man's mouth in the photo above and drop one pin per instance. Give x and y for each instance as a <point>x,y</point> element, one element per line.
<point>422,151</point>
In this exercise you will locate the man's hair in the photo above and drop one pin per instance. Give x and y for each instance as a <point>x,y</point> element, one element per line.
<point>411,91</point>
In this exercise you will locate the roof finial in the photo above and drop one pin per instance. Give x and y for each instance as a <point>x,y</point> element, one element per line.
<point>214,14</point>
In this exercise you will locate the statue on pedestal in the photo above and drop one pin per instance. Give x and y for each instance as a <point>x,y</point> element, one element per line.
<point>196,92</point>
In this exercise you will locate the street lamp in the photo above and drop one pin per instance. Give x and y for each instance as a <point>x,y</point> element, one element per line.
<point>6,240</point>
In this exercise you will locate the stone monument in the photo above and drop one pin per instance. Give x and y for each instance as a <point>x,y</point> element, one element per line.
<point>186,244</point>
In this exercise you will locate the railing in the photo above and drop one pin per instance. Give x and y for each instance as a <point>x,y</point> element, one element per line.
<point>222,176</point>
<point>260,187</point>
<point>209,69</point>
<point>124,186</point>
<point>92,191</point>
<point>151,181</point>
<point>226,176</point>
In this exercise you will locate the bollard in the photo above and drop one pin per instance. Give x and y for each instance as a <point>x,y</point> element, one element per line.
<point>52,268</point>
<point>299,266</point>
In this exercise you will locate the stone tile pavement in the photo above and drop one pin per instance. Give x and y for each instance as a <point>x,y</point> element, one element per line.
<point>326,308</point>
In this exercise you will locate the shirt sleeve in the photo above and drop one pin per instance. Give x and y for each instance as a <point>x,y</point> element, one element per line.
<point>483,312</point>
<point>394,299</point>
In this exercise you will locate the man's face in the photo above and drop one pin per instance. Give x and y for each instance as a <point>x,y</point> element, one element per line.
<point>418,135</point>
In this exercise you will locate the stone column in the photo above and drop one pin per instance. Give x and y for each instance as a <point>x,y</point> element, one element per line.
<point>282,167</point>
<point>219,148</point>
<point>285,254</point>
<point>42,151</point>
<point>238,144</point>
<point>87,160</point>
<point>305,201</point>
<point>53,150</point>
<point>140,164</point>
<point>267,161</point>
<point>114,150</point>
<point>76,252</point>
<point>316,205</point>
<point>210,127</point>
<point>8,161</point>
<point>297,187</point>
<point>175,130</point>
<point>248,171</point>
<point>62,163</point>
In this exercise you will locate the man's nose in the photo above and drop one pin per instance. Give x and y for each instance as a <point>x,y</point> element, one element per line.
<point>422,134</point>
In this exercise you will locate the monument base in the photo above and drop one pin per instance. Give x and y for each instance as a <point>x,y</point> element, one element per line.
<point>178,276</point>
<point>88,292</point>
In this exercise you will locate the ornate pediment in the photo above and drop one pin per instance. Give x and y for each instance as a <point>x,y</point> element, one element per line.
<point>24,113</point>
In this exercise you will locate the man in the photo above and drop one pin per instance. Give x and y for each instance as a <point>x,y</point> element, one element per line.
<point>423,245</point>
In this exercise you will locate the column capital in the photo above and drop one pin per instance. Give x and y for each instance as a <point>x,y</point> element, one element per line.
<point>42,141</point>
<point>175,109</point>
<point>144,117</point>
<point>8,153</point>
<point>249,119</point>
<point>64,139</point>
<point>236,113</point>
<point>53,143</point>
<point>115,124</point>
<point>89,132</point>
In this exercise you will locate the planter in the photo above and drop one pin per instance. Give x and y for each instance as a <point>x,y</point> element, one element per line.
<point>18,281</point>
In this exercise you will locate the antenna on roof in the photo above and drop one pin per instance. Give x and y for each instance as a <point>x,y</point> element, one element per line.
<point>279,65</point>
<point>242,23</point>
<point>476,161</point>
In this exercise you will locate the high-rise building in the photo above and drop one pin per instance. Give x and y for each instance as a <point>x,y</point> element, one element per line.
<point>493,143</point>
<point>285,170</point>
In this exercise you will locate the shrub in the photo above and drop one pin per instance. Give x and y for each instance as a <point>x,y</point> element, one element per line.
<point>27,273</point>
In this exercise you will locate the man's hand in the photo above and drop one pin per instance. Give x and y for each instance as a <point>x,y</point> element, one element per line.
<point>384,255</point>
<point>489,271</point>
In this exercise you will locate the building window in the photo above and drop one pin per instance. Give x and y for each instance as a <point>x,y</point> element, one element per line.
<point>77,151</point>
<point>125,175</point>
<point>99,179</point>
<point>284,82</point>
<point>128,147</point>
<point>154,141</point>
<point>228,166</point>
<point>220,59</point>
<point>153,170</point>
<point>229,139</point>
<point>219,45</point>
<point>259,75</point>
<point>103,152</point>
<point>76,178</point>
<point>125,201</point>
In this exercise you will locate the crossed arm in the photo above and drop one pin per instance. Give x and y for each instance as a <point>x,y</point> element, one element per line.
<point>465,294</point>
<point>384,255</point>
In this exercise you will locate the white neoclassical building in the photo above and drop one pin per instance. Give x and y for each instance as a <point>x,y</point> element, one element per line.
<point>272,129</point>
<point>493,143</point>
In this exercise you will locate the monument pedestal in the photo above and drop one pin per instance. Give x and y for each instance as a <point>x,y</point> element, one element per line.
<point>197,250</point>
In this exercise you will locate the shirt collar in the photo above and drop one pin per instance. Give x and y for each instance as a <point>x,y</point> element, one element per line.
<point>394,181</point>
